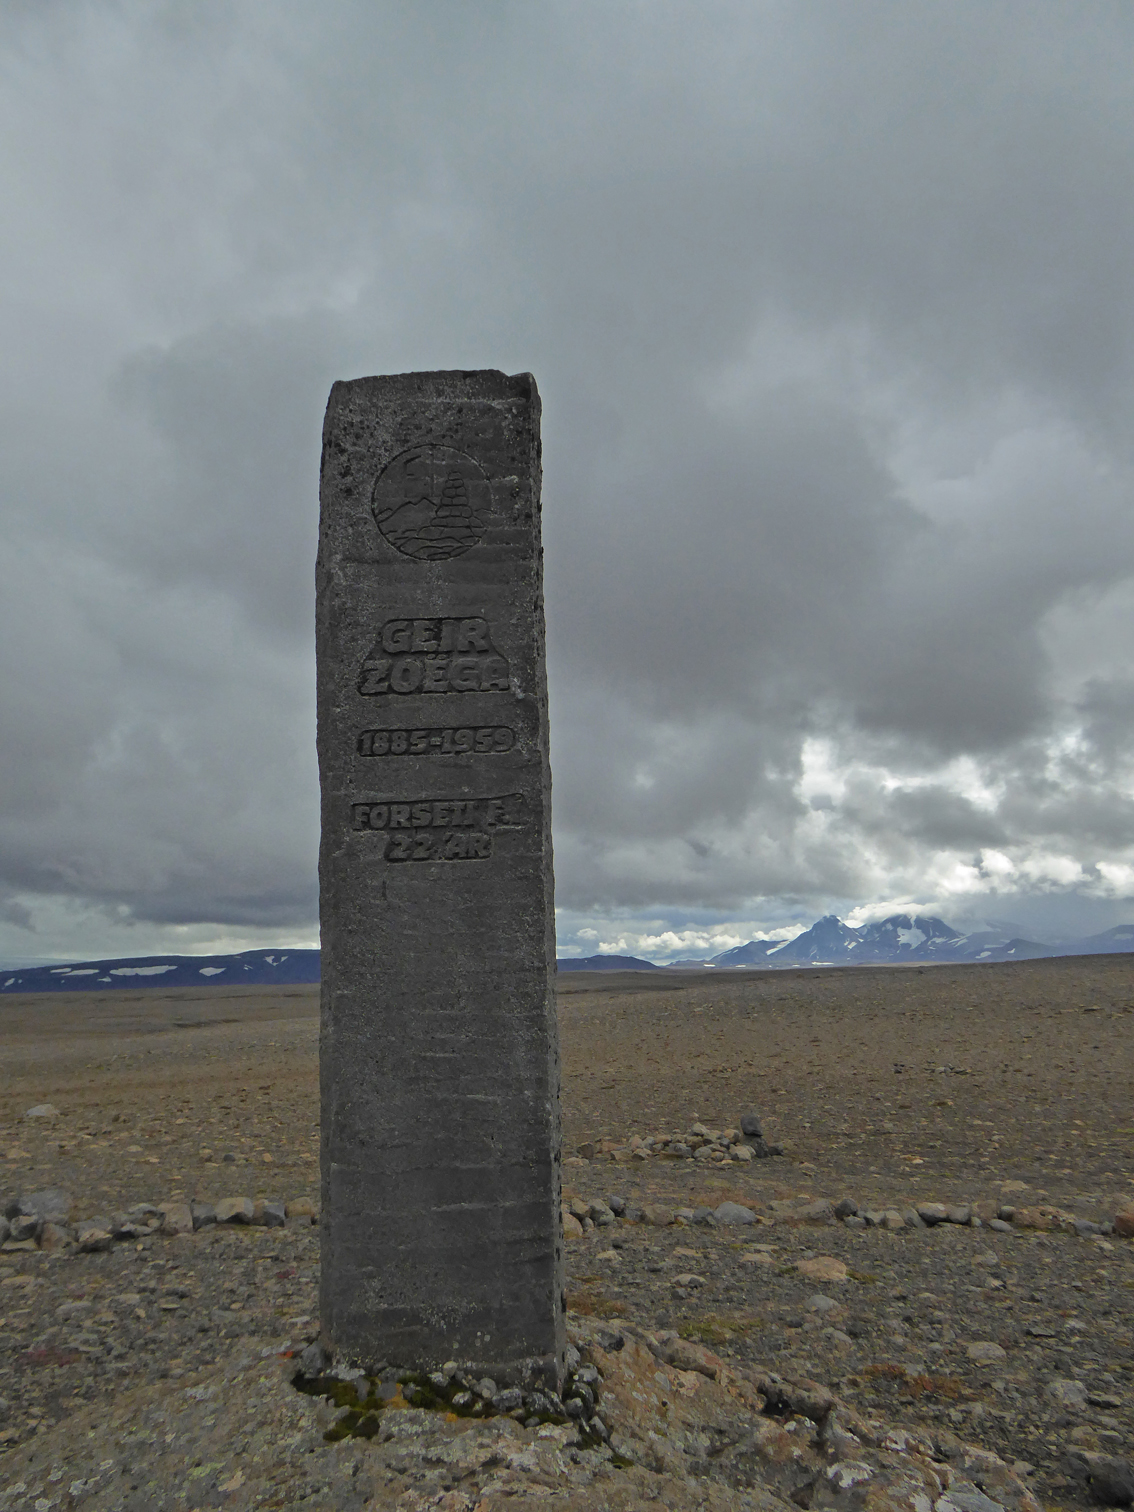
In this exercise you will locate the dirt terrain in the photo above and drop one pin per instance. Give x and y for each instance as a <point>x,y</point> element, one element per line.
<point>1005,1084</point>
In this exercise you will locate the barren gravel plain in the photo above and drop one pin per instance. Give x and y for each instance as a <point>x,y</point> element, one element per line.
<point>156,1372</point>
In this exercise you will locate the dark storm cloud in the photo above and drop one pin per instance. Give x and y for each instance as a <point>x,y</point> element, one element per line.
<point>831,311</point>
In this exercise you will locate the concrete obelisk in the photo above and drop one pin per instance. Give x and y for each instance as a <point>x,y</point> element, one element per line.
<point>441,1236</point>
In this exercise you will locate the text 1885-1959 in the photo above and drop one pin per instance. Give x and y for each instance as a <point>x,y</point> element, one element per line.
<point>481,740</point>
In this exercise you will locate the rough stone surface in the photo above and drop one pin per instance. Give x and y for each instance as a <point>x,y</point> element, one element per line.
<point>176,1218</point>
<point>234,1210</point>
<point>438,1028</point>
<point>733,1212</point>
<point>52,1205</point>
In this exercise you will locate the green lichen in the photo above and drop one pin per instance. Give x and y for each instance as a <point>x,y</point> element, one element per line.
<point>363,1401</point>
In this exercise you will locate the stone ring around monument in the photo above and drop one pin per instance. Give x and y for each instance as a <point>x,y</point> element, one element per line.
<point>431,502</point>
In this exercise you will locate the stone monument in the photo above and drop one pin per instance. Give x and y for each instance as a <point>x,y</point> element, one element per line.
<point>439,1061</point>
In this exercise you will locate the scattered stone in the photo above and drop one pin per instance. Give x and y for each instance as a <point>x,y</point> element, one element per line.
<point>733,1213</point>
<point>42,1110</point>
<point>204,1214</point>
<point>269,1214</point>
<point>1124,1224</point>
<point>314,1360</point>
<point>846,1207</point>
<point>53,1237</point>
<point>985,1352</point>
<point>302,1207</point>
<point>1111,1480</point>
<point>52,1205</point>
<point>92,1238</point>
<point>234,1210</point>
<point>1067,1393</point>
<point>572,1228</point>
<point>750,1125</point>
<point>822,1268</point>
<point>656,1214</point>
<point>176,1218</point>
<point>932,1213</point>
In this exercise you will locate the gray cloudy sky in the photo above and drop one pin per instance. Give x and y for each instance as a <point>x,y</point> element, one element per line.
<point>831,307</point>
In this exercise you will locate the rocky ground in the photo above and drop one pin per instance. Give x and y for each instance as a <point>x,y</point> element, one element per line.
<point>156,1372</point>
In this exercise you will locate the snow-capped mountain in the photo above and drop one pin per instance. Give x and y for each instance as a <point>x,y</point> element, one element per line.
<point>828,939</point>
<point>906,937</point>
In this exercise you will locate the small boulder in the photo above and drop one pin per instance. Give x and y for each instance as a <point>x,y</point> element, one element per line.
<point>822,1268</point>
<point>750,1125</point>
<point>176,1218</point>
<point>1111,1480</point>
<point>314,1360</point>
<point>572,1228</point>
<point>93,1238</point>
<point>985,1352</point>
<point>656,1214</point>
<point>51,1205</point>
<point>1067,1393</point>
<point>53,1237</point>
<point>733,1213</point>
<point>234,1210</point>
<point>1124,1224</point>
<point>932,1213</point>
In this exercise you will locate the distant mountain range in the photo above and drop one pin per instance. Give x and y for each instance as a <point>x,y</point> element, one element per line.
<point>903,937</point>
<point>251,968</point>
<point>606,963</point>
<point>829,942</point>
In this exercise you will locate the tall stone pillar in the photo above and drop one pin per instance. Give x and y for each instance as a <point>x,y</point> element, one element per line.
<point>441,1236</point>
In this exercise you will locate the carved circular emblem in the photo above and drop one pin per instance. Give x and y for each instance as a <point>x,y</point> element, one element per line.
<point>431,502</point>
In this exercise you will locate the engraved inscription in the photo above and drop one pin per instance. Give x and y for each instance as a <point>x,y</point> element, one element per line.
<point>440,829</point>
<point>479,740</point>
<point>434,656</point>
<point>431,502</point>
<point>454,845</point>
